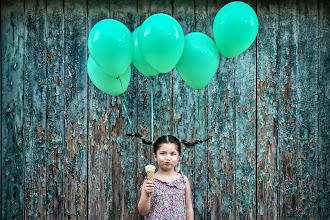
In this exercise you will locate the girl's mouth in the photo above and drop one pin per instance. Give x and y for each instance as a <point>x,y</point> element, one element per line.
<point>167,163</point>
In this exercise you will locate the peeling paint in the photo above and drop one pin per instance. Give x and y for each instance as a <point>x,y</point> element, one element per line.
<point>268,154</point>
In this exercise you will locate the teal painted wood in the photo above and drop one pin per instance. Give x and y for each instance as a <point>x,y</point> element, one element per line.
<point>75,81</point>
<point>99,157</point>
<point>35,87</point>
<point>117,122</point>
<point>117,145</point>
<point>162,84</point>
<point>126,12</point>
<point>200,127</point>
<point>125,172</point>
<point>287,95</point>
<point>267,102</point>
<point>12,117</point>
<point>324,111</point>
<point>55,109</point>
<point>142,111</point>
<point>307,111</point>
<point>245,108</point>
<point>222,129</point>
<point>183,106</point>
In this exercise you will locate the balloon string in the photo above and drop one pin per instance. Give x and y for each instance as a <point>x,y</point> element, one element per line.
<point>213,107</point>
<point>183,152</point>
<point>129,120</point>
<point>198,115</point>
<point>123,101</point>
<point>152,110</point>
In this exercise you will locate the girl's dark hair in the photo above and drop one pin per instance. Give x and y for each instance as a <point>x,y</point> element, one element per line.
<point>167,139</point>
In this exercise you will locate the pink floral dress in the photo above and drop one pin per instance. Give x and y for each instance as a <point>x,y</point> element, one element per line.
<point>168,200</point>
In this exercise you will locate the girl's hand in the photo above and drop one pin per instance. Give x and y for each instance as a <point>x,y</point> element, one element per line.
<point>149,188</point>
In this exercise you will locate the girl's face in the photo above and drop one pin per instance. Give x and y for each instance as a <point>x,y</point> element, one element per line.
<point>167,156</point>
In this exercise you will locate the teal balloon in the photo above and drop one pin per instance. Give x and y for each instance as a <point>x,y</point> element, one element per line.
<point>138,60</point>
<point>235,28</point>
<point>111,46</point>
<point>111,85</point>
<point>199,61</point>
<point>161,42</point>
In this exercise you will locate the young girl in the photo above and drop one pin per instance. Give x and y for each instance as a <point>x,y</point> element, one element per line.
<point>171,196</point>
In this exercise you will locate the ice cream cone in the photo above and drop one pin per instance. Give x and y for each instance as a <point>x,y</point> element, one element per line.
<point>150,170</point>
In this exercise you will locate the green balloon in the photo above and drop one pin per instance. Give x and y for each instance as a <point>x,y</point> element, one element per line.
<point>138,60</point>
<point>111,85</point>
<point>161,42</point>
<point>235,27</point>
<point>199,61</point>
<point>110,43</point>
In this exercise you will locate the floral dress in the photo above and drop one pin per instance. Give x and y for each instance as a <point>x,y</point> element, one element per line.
<point>168,200</point>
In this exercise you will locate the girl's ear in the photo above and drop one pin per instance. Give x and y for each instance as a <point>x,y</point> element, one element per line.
<point>155,156</point>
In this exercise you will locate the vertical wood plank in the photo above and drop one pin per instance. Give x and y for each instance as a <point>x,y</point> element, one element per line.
<point>324,111</point>
<point>118,139</point>
<point>99,172</point>
<point>287,96</point>
<point>306,123</point>
<point>144,152</point>
<point>131,183</point>
<point>245,108</point>
<point>1,116</point>
<point>200,127</point>
<point>267,102</point>
<point>75,159</point>
<point>55,109</point>
<point>183,106</point>
<point>162,84</point>
<point>117,123</point>
<point>221,193</point>
<point>35,85</point>
<point>12,137</point>
<point>126,12</point>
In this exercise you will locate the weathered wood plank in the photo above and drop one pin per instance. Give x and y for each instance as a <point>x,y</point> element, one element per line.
<point>126,12</point>
<point>118,139</point>
<point>245,108</point>
<point>144,152</point>
<point>287,96</point>
<point>35,86</point>
<point>267,102</point>
<point>183,107</point>
<point>221,192</point>
<point>99,170</point>
<point>117,123</point>
<point>200,127</point>
<point>55,109</point>
<point>12,137</point>
<point>75,81</point>
<point>323,171</point>
<point>162,84</point>
<point>306,114</point>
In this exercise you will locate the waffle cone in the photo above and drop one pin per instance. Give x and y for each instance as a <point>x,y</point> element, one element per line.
<point>151,177</point>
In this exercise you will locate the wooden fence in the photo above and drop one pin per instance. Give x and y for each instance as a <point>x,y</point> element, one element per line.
<point>64,149</point>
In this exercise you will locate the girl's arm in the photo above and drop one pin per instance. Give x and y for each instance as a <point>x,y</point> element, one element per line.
<point>189,207</point>
<point>145,198</point>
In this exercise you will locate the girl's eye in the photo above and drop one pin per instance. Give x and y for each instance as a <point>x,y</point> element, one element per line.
<point>162,153</point>
<point>173,154</point>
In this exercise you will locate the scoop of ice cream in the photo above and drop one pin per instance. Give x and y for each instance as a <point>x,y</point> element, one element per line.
<point>150,168</point>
